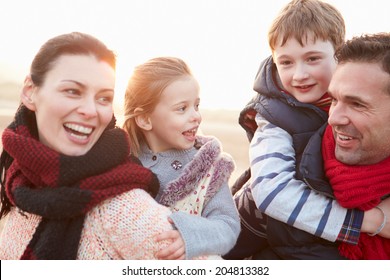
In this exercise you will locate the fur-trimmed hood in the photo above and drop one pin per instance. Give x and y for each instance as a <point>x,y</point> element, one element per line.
<point>210,155</point>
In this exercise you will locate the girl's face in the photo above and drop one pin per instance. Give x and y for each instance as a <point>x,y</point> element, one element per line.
<point>174,122</point>
<point>305,71</point>
<point>74,104</point>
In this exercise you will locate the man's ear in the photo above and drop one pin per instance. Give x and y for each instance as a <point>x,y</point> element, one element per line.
<point>28,93</point>
<point>143,120</point>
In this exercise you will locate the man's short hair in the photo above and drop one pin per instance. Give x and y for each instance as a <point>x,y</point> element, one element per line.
<point>369,48</point>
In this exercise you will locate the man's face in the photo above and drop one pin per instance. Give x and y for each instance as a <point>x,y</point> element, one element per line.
<point>359,114</point>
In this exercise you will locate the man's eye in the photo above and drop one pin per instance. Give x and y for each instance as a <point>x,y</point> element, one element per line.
<point>358,105</point>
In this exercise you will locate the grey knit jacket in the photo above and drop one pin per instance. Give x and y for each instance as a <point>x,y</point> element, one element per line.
<point>216,230</point>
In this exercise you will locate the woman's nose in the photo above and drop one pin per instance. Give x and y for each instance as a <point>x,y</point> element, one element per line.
<point>88,107</point>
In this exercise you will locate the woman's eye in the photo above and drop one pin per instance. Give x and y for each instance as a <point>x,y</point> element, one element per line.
<point>105,100</point>
<point>72,91</point>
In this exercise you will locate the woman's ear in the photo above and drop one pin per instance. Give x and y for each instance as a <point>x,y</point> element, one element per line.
<point>27,93</point>
<point>142,119</point>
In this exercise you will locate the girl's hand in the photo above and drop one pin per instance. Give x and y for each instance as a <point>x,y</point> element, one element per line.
<point>176,250</point>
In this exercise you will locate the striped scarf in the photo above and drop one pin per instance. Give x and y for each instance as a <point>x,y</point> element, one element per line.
<point>62,189</point>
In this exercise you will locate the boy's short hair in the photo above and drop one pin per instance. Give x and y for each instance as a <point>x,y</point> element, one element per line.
<point>300,18</point>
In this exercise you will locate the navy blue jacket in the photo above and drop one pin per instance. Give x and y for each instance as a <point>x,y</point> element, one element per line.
<point>305,123</point>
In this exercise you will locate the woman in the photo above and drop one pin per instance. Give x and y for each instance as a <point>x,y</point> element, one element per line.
<point>70,190</point>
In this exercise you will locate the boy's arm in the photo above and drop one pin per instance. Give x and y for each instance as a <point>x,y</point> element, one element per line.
<point>278,194</point>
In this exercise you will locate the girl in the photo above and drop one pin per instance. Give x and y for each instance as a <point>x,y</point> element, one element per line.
<point>162,120</point>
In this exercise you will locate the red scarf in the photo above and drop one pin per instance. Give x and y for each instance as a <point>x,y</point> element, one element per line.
<point>359,187</point>
<point>62,189</point>
<point>324,102</point>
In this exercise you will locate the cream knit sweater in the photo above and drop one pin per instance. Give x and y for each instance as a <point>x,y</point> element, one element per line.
<point>119,228</point>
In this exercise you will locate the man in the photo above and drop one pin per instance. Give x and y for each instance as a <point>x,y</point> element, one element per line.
<point>362,136</point>
<point>356,148</point>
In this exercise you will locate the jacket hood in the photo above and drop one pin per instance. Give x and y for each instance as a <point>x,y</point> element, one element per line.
<point>265,81</point>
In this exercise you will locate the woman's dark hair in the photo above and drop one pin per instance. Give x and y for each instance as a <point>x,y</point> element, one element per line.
<point>74,43</point>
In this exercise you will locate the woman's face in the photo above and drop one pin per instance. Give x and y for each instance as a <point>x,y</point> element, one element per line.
<point>74,104</point>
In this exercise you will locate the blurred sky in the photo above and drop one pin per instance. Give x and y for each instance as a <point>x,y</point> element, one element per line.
<point>223,41</point>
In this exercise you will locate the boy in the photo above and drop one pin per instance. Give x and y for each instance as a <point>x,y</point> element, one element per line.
<point>302,220</point>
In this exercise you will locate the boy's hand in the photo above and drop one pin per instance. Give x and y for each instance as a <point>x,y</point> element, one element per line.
<point>176,250</point>
<point>385,206</point>
<point>373,219</point>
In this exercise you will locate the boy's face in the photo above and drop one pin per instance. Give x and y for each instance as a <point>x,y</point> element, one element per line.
<point>305,71</point>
